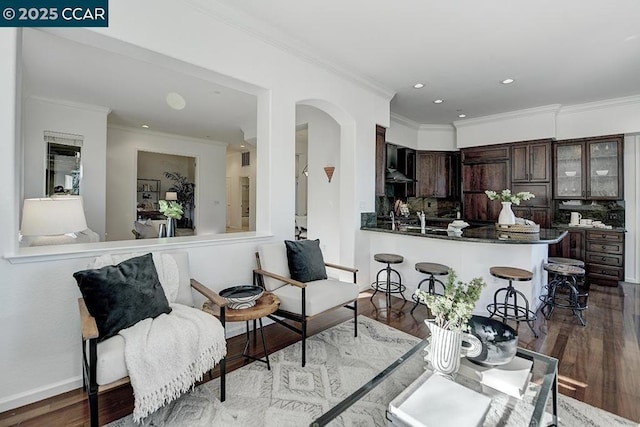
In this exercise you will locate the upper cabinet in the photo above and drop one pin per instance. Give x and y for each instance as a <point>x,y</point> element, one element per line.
<point>438,174</point>
<point>484,168</point>
<point>531,161</point>
<point>589,168</point>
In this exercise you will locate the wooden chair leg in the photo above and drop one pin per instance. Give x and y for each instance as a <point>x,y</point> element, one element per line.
<point>355,318</point>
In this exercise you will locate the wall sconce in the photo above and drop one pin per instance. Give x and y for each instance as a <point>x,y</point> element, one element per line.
<point>329,171</point>
<point>171,196</point>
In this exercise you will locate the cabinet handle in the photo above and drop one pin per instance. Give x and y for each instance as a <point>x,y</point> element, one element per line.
<point>604,247</point>
<point>583,192</point>
<point>604,259</point>
<point>604,236</point>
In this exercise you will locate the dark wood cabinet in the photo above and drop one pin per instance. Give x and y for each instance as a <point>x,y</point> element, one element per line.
<point>381,159</point>
<point>407,165</point>
<point>604,257</point>
<point>531,161</point>
<point>589,168</point>
<point>572,246</point>
<point>438,174</point>
<point>541,216</point>
<point>478,177</point>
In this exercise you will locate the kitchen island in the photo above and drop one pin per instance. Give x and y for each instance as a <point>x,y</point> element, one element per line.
<point>470,255</point>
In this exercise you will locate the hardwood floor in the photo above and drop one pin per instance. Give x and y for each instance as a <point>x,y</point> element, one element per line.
<point>599,363</point>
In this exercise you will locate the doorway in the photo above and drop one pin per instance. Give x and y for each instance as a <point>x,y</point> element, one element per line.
<point>245,202</point>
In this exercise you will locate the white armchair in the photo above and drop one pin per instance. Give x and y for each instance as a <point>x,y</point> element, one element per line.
<point>301,302</point>
<point>104,364</point>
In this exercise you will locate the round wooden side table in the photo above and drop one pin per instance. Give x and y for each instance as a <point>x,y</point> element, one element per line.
<point>267,304</point>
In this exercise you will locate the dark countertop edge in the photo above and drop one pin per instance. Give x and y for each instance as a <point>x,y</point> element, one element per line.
<point>577,227</point>
<point>464,238</point>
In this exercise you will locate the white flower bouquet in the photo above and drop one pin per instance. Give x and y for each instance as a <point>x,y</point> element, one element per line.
<point>507,196</point>
<point>453,310</point>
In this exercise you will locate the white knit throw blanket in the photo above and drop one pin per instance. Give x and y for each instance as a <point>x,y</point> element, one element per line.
<point>165,356</point>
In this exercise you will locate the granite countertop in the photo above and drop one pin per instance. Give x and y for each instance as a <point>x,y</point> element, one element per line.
<point>583,227</point>
<point>483,234</point>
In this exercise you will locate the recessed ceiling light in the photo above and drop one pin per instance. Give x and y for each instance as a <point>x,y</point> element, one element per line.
<point>438,101</point>
<point>242,146</point>
<point>145,126</point>
<point>418,85</point>
<point>507,81</point>
<point>462,116</point>
<point>176,101</point>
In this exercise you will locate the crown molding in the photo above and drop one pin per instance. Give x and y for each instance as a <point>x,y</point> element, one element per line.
<point>405,121</point>
<point>553,108</point>
<point>71,104</point>
<point>596,105</point>
<point>437,127</point>
<point>280,40</point>
<point>167,135</point>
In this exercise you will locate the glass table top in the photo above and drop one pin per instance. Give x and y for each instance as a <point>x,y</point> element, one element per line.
<point>369,404</point>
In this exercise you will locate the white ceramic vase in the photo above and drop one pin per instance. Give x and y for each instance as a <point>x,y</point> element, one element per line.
<point>445,348</point>
<point>506,214</point>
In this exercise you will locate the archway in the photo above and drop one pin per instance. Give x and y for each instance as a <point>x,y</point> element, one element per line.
<point>330,206</point>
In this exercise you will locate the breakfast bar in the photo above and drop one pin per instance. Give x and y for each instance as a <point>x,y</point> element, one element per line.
<point>470,254</point>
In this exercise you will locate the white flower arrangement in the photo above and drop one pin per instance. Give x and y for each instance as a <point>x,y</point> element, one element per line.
<point>171,209</point>
<point>507,196</point>
<point>453,310</point>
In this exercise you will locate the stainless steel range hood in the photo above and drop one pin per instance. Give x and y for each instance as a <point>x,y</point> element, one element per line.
<point>395,176</point>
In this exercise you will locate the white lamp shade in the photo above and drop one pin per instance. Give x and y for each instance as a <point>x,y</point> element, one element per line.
<point>171,195</point>
<point>52,216</point>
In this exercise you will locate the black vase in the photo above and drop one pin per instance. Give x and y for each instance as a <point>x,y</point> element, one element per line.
<point>171,227</point>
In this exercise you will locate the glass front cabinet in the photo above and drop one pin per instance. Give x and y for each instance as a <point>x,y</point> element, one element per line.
<point>589,168</point>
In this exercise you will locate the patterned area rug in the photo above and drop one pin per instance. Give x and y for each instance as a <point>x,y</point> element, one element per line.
<point>337,365</point>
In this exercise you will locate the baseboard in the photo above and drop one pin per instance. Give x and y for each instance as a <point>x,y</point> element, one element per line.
<point>40,393</point>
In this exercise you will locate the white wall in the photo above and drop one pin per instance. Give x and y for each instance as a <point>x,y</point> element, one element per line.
<point>235,171</point>
<point>123,145</point>
<point>632,213</point>
<point>323,197</point>
<point>39,322</point>
<point>42,115</point>
<point>437,138</point>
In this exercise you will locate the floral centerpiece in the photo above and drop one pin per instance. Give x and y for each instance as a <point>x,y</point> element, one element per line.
<point>452,312</point>
<point>173,211</point>
<point>507,198</point>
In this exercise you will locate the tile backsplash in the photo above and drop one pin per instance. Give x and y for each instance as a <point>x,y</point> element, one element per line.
<point>432,207</point>
<point>610,213</point>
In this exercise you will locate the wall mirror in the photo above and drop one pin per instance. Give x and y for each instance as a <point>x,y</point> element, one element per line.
<point>63,172</point>
<point>68,87</point>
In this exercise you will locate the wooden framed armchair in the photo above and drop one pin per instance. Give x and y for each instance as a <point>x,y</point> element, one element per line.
<point>301,302</point>
<point>103,362</point>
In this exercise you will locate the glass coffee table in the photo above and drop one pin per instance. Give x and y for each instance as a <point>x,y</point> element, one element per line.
<point>505,410</point>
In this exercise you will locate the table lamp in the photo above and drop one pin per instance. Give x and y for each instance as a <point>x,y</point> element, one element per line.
<point>53,221</point>
<point>171,196</point>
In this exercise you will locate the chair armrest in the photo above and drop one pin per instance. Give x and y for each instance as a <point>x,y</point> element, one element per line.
<point>341,267</point>
<point>280,278</point>
<point>89,327</point>
<point>208,293</point>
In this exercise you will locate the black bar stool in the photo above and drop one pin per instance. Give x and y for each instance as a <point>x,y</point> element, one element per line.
<point>432,269</point>
<point>562,290</point>
<point>509,309</point>
<point>388,286</point>
<point>582,284</point>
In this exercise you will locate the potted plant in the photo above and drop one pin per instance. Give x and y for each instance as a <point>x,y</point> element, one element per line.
<point>452,312</point>
<point>186,193</point>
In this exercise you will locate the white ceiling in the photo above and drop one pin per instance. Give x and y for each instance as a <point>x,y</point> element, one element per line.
<point>135,89</point>
<point>559,52</point>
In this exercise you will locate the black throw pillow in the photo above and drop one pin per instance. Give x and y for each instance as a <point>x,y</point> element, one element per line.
<point>305,260</point>
<point>119,296</point>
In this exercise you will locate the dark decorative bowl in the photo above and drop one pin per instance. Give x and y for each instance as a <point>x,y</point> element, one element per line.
<point>499,341</point>
<point>243,296</point>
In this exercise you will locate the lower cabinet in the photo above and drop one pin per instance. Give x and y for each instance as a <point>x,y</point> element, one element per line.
<point>601,250</point>
<point>604,257</point>
<point>571,246</point>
